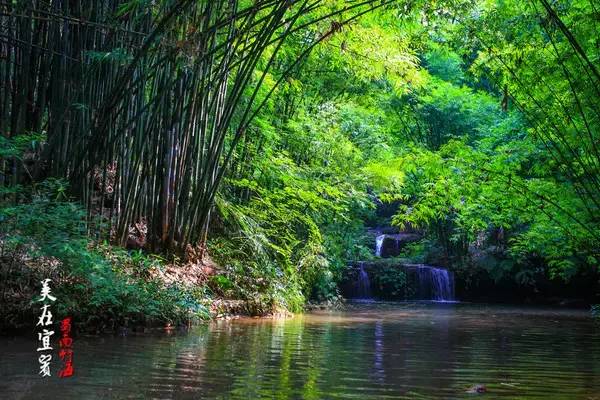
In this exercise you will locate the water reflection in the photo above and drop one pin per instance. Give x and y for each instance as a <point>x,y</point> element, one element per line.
<point>378,352</point>
<point>370,351</point>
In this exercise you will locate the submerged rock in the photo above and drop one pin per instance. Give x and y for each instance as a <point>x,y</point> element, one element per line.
<point>477,389</point>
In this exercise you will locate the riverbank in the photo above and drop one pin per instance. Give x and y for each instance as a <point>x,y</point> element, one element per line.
<point>105,287</point>
<point>129,291</point>
<point>110,289</point>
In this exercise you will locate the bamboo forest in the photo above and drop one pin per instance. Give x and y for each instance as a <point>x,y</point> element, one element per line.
<point>299,199</point>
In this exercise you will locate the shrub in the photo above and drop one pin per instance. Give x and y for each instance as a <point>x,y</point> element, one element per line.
<point>44,236</point>
<point>390,282</point>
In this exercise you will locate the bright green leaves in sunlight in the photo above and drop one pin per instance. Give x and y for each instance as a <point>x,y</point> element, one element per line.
<point>460,114</point>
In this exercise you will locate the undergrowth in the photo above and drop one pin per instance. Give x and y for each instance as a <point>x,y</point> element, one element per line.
<point>43,236</point>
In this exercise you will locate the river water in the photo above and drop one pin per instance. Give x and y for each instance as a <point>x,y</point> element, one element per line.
<point>366,351</point>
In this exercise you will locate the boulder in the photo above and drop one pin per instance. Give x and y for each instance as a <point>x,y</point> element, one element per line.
<point>392,245</point>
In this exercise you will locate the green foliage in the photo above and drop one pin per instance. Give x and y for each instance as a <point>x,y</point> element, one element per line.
<point>445,64</point>
<point>474,191</point>
<point>391,283</point>
<point>97,285</point>
<point>479,119</point>
<point>17,145</point>
<point>297,207</point>
<point>444,111</point>
<point>442,138</point>
<point>253,277</point>
<point>498,190</point>
<point>415,252</point>
<point>221,284</point>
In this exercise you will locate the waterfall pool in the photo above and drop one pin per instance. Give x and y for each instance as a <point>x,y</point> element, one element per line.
<point>368,350</point>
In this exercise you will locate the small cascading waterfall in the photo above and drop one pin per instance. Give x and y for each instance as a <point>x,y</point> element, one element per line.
<point>391,244</point>
<point>363,284</point>
<point>442,284</point>
<point>379,244</point>
<point>426,282</point>
<point>433,283</point>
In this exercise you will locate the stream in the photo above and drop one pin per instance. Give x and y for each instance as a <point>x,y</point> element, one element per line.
<point>368,350</point>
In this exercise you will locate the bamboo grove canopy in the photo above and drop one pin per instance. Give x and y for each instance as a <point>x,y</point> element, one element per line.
<point>148,99</point>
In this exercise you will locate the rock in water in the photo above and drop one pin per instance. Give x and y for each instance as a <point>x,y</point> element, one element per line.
<point>477,389</point>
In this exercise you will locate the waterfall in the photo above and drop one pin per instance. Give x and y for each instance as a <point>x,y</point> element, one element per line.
<point>379,245</point>
<point>442,286</point>
<point>424,282</point>
<point>433,283</point>
<point>363,284</point>
<point>391,244</point>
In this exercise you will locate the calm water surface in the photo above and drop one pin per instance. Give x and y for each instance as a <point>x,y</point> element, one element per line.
<point>367,351</point>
